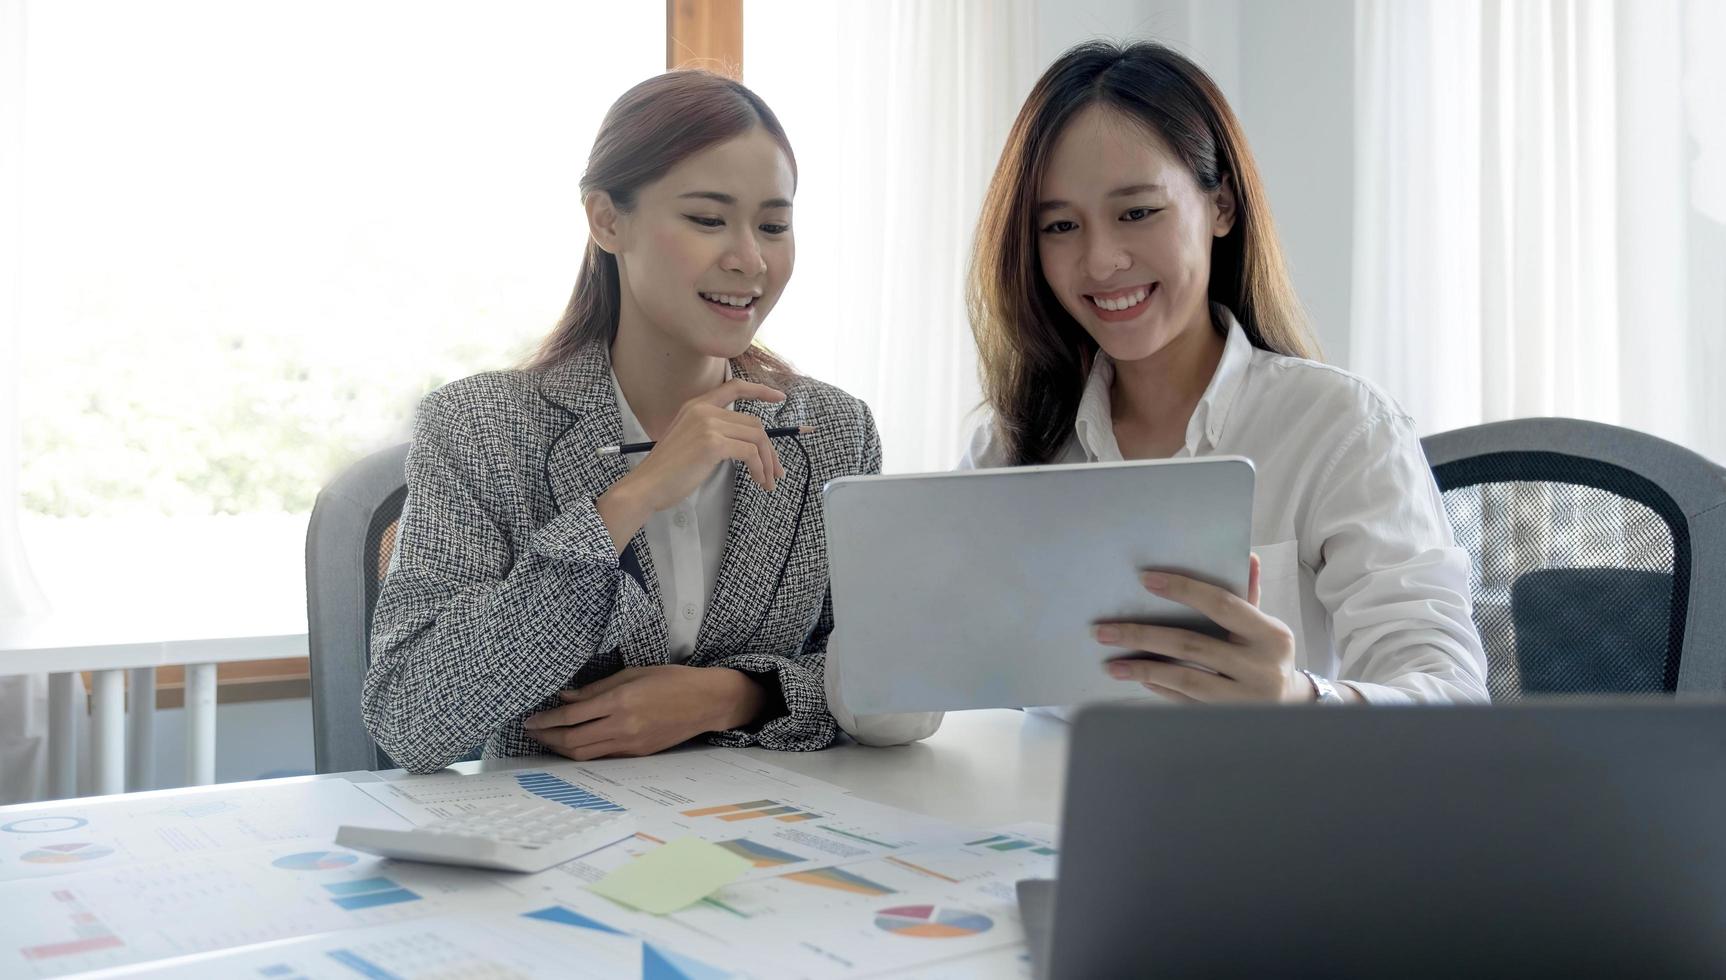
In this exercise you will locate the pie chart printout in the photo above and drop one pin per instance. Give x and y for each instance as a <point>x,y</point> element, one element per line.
<point>66,853</point>
<point>314,861</point>
<point>43,825</point>
<point>932,922</point>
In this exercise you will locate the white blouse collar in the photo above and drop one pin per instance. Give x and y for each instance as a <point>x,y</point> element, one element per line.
<point>1094,424</point>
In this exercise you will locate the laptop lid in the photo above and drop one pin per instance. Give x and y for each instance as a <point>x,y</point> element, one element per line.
<point>1554,839</point>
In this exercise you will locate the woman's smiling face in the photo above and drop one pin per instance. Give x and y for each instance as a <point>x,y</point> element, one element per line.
<point>1124,234</point>
<point>708,248</point>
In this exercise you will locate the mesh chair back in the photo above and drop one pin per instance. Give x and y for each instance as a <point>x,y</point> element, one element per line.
<point>348,548</point>
<point>1596,550</point>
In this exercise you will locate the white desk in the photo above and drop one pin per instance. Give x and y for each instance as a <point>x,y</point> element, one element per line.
<point>982,769</point>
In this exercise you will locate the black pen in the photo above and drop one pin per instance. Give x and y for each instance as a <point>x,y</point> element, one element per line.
<point>642,447</point>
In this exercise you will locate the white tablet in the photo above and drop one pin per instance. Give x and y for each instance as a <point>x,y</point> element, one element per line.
<point>979,589</point>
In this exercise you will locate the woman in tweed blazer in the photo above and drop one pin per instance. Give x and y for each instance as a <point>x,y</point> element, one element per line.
<point>523,608</point>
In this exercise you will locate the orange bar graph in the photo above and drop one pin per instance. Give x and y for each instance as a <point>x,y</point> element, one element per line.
<point>840,880</point>
<point>729,808</point>
<point>753,810</point>
<point>934,930</point>
<point>753,814</point>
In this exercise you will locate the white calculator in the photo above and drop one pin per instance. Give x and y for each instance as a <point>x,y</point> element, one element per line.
<point>509,835</point>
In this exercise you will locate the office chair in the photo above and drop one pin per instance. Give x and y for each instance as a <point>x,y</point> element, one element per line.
<point>348,548</point>
<point>1599,556</point>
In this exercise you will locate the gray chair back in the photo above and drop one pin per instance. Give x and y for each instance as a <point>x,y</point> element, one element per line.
<point>1599,556</point>
<point>348,548</point>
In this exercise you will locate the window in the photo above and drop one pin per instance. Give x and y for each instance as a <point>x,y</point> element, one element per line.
<point>253,236</point>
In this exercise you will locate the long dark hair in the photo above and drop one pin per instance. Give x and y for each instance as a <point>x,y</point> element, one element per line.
<point>650,129</point>
<point>1033,356</point>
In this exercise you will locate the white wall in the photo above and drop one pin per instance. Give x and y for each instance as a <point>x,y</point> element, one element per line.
<point>1203,29</point>
<point>1288,70</point>
<point>1296,102</point>
<point>1061,25</point>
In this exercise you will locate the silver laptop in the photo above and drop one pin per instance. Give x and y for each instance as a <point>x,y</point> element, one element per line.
<point>979,589</point>
<point>1532,840</point>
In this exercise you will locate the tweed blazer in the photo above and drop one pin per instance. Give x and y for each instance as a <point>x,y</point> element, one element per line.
<point>506,586</point>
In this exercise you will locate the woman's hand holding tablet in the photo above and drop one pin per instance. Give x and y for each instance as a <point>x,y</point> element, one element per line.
<point>1254,662</point>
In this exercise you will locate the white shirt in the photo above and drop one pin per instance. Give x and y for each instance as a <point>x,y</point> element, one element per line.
<point>685,542</point>
<point>1356,552</point>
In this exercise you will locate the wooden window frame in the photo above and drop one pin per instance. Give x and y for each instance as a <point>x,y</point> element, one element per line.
<point>246,680</point>
<point>705,34</point>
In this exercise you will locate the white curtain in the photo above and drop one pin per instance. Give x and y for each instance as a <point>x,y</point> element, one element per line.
<point>1540,219</point>
<point>897,111</point>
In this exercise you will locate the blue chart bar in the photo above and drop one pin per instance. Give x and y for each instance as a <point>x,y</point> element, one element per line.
<point>663,964</point>
<point>360,965</point>
<point>360,887</point>
<point>563,916</point>
<point>369,893</point>
<point>559,791</point>
<point>353,903</point>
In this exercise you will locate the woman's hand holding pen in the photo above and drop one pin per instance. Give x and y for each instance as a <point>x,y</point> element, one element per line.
<point>1255,662</point>
<point>703,434</point>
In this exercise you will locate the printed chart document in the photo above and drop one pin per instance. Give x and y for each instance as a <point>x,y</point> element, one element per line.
<point>151,910</point>
<point>777,819</point>
<point>889,913</point>
<point>550,942</point>
<point>654,784</point>
<point>113,833</point>
<point>808,828</point>
<point>248,882</point>
<point>947,919</point>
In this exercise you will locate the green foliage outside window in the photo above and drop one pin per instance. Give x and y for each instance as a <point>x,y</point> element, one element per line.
<point>230,425</point>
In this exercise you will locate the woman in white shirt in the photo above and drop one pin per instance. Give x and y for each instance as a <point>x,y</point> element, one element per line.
<point>1129,301</point>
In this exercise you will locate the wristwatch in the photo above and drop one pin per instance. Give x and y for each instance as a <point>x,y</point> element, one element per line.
<point>1323,689</point>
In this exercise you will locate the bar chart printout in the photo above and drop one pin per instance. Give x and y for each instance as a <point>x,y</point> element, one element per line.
<point>754,810</point>
<point>428,798</point>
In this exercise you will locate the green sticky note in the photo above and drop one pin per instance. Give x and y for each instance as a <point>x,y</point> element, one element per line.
<point>672,876</point>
